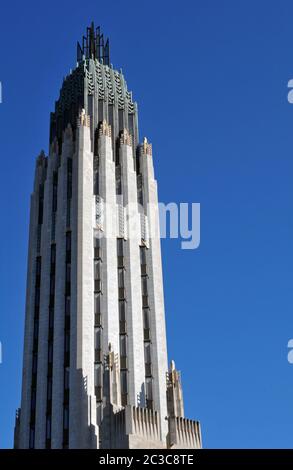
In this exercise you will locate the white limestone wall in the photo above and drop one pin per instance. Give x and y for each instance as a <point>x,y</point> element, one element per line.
<point>82,326</point>
<point>184,433</point>
<point>82,425</point>
<point>136,428</point>
<point>155,291</point>
<point>136,372</point>
<point>109,305</point>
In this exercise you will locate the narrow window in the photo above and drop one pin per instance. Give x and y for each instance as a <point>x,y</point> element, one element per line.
<point>120,246</point>
<point>120,278</point>
<point>66,417</point>
<point>33,399</point>
<point>97,304</point>
<point>50,352</point>
<point>97,270</point>
<point>32,438</point>
<point>67,305</point>
<point>49,389</point>
<point>149,391</point>
<point>122,314</point>
<point>35,363</point>
<point>123,375</point>
<point>144,286</point>
<point>123,345</point>
<point>68,241</point>
<point>67,341</point>
<point>48,427</point>
<point>98,337</point>
<point>66,378</point>
<point>147,353</point>
<point>68,272</point>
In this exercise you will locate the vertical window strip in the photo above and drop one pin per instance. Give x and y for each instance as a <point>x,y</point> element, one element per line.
<point>50,346</point>
<point>51,312</point>
<point>66,370</point>
<point>35,353</point>
<point>54,204</point>
<point>96,175</point>
<point>98,329</point>
<point>69,192</point>
<point>122,322</point>
<point>32,424</point>
<point>40,216</point>
<point>67,310</point>
<point>146,328</point>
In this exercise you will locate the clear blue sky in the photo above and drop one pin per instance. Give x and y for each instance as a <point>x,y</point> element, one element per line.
<point>211,79</point>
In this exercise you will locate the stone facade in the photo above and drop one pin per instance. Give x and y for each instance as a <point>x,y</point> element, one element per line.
<point>95,356</point>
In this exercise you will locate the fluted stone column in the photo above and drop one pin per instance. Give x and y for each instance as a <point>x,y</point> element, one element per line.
<point>108,242</point>
<point>132,275</point>
<point>156,296</point>
<point>82,333</point>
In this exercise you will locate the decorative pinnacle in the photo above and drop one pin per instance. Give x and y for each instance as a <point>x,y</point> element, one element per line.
<point>94,46</point>
<point>83,119</point>
<point>41,158</point>
<point>126,138</point>
<point>110,358</point>
<point>173,374</point>
<point>105,129</point>
<point>147,148</point>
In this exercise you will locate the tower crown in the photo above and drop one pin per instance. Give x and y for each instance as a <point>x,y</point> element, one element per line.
<point>94,46</point>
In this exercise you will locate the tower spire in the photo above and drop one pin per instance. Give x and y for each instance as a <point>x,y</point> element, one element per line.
<point>94,46</point>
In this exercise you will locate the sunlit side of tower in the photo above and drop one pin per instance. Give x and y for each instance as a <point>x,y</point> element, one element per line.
<point>95,372</point>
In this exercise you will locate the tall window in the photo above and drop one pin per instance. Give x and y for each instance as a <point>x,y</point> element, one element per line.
<point>149,392</point>
<point>119,246</point>
<point>66,378</point>
<point>98,337</point>
<point>123,383</point>
<point>98,331</point>
<point>120,278</point>
<point>144,285</point>
<point>97,270</point>
<point>123,346</point>
<point>35,350</point>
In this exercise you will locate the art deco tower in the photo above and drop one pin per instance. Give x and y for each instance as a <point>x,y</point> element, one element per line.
<point>95,371</point>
